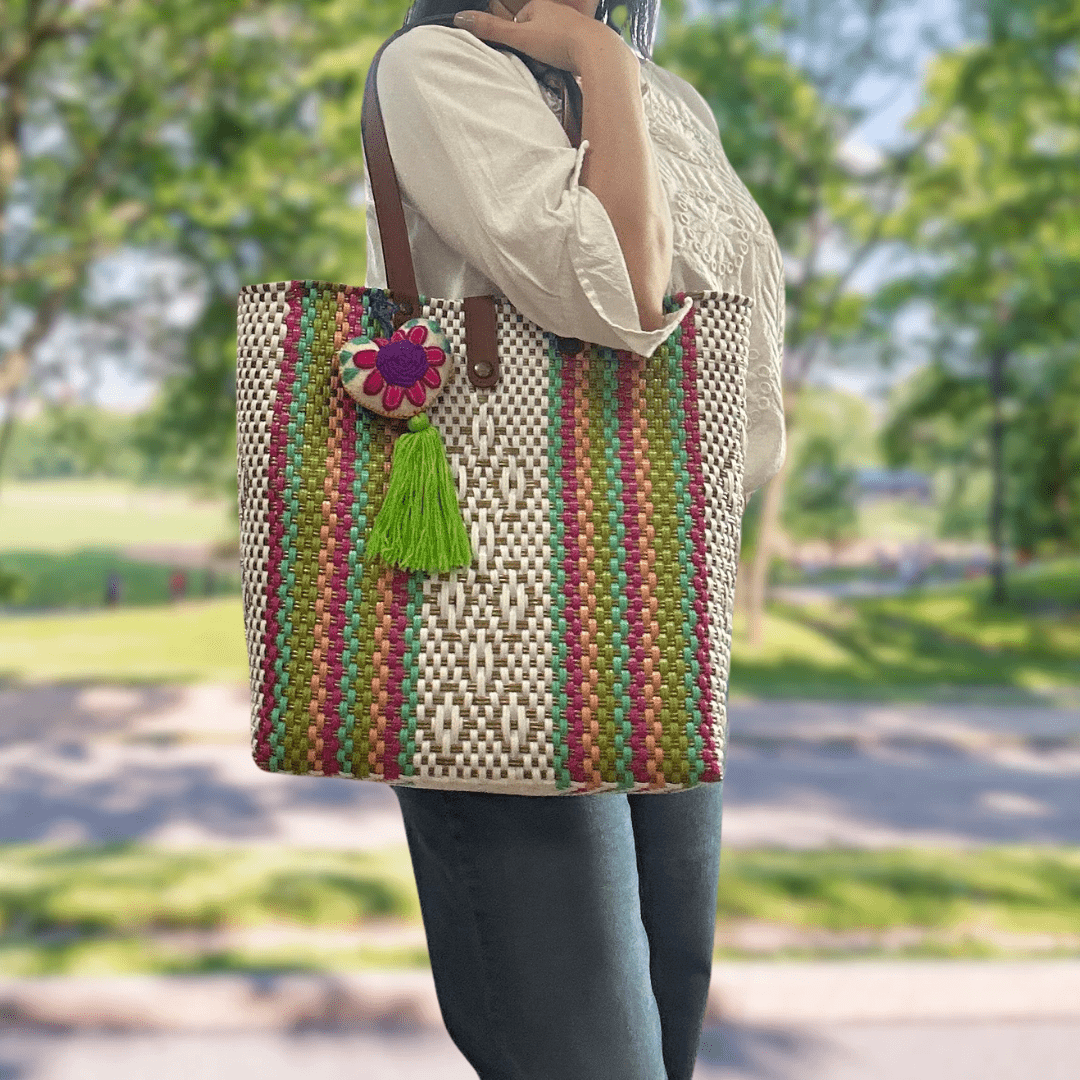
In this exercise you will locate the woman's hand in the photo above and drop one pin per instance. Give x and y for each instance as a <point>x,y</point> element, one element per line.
<point>550,31</point>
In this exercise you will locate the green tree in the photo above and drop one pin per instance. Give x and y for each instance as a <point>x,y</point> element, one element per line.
<point>68,439</point>
<point>1044,459</point>
<point>992,211</point>
<point>821,497</point>
<point>221,135</point>
<point>785,81</point>
<point>834,437</point>
<point>268,223</point>
<point>937,423</point>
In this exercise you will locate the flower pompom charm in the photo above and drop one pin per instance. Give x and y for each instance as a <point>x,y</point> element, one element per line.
<point>419,526</point>
<point>400,375</point>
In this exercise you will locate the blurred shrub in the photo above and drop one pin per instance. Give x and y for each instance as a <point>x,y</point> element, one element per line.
<point>78,579</point>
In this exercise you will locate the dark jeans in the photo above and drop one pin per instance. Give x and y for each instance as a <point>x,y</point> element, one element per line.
<point>570,937</point>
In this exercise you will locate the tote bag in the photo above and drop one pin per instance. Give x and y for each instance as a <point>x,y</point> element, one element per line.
<point>581,644</point>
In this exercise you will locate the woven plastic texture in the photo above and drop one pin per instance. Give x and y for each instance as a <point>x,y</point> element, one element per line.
<point>587,646</point>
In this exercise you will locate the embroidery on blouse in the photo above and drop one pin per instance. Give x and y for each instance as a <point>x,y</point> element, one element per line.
<point>720,233</point>
<point>723,241</point>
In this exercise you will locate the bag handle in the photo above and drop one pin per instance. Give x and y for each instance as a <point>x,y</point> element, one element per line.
<point>481,334</point>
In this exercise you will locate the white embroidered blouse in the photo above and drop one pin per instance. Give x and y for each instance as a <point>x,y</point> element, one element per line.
<point>492,202</point>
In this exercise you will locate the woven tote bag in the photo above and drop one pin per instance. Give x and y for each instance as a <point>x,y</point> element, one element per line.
<point>583,643</point>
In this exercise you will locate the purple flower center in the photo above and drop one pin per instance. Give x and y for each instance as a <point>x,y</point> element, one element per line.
<point>402,362</point>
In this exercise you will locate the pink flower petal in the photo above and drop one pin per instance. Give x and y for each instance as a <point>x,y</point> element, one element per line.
<point>397,335</point>
<point>432,377</point>
<point>392,397</point>
<point>366,358</point>
<point>374,382</point>
<point>416,393</point>
<point>435,356</point>
<point>381,341</point>
<point>418,334</point>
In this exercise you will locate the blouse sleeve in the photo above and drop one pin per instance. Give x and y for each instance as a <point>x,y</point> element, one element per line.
<point>483,159</point>
<point>762,278</point>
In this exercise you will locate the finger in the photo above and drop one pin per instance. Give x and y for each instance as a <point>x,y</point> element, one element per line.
<point>485,25</point>
<point>500,11</point>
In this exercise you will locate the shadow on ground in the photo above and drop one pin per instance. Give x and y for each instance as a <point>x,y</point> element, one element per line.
<point>764,1053</point>
<point>84,762</point>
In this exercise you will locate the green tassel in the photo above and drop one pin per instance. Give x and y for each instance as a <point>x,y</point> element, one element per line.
<point>419,526</point>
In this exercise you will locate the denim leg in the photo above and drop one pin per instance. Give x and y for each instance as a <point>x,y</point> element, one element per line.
<point>677,839</point>
<point>533,922</point>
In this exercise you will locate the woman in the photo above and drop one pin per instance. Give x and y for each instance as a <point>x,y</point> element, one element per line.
<point>541,158</point>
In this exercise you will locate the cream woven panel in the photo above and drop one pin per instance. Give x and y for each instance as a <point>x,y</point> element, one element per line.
<point>723,330</point>
<point>260,333</point>
<point>489,625</point>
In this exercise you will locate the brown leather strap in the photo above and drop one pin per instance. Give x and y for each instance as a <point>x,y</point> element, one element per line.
<point>481,334</point>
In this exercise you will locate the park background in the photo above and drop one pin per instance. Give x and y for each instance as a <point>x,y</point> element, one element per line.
<point>909,598</point>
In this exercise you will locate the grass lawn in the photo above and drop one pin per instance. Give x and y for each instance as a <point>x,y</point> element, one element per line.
<point>112,907</point>
<point>190,641</point>
<point>63,515</point>
<point>973,903</point>
<point>97,908</point>
<point>944,644</point>
<point>934,644</point>
<point>65,580</point>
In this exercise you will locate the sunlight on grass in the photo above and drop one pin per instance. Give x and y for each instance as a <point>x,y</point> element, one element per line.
<point>126,907</point>
<point>784,638</point>
<point>937,644</point>
<point>95,909</point>
<point>128,886</point>
<point>63,515</point>
<point>189,641</point>
<point>934,645</point>
<point>1015,888</point>
<point>135,955</point>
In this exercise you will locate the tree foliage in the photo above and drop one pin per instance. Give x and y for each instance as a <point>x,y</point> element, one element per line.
<point>222,136</point>
<point>992,213</point>
<point>785,126</point>
<point>821,495</point>
<point>785,80</point>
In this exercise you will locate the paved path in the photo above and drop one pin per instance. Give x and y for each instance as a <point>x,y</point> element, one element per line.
<point>773,1021</point>
<point>173,765</point>
<point>1010,1050</point>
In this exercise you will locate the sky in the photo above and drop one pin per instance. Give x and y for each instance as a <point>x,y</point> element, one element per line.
<point>892,101</point>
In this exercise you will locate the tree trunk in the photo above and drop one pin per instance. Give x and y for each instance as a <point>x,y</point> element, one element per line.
<point>8,427</point>
<point>998,359</point>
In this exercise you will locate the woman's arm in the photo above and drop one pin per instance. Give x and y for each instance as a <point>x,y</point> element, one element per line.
<point>481,157</point>
<point>620,170</point>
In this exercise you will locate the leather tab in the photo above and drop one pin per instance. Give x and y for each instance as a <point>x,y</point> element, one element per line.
<point>481,341</point>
